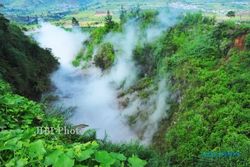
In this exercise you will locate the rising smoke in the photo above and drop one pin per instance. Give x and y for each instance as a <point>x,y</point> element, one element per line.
<point>88,90</point>
<point>164,20</point>
<point>124,70</point>
<point>94,93</point>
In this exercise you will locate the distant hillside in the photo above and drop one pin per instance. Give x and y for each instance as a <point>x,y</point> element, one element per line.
<point>41,3</point>
<point>25,11</point>
<point>38,7</point>
<point>80,3</point>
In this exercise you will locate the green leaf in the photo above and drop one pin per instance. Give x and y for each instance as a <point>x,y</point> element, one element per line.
<point>17,162</point>
<point>27,134</point>
<point>12,144</point>
<point>22,162</point>
<point>11,163</point>
<point>104,158</point>
<point>70,153</point>
<point>118,156</point>
<point>37,149</point>
<point>80,166</point>
<point>83,155</point>
<point>53,157</point>
<point>134,161</point>
<point>64,161</point>
<point>5,135</point>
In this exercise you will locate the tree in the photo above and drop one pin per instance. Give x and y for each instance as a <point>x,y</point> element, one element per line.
<point>231,14</point>
<point>109,23</point>
<point>75,22</point>
<point>135,11</point>
<point>123,14</point>
<point>4,23</point>
<point>105,56</point>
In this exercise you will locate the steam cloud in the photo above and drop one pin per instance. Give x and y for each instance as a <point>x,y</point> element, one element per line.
<point>94,93</point>
<point>165,19</point>
<point>88,90</point>
<point>124,70</point>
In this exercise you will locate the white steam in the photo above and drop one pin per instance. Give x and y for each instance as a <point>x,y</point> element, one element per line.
<point>94,93</point>
<point>148,112</point>
<point>91,92</point>
<point>65,45</point>
<point>124,70</point>
<point>160,111</point>
<point>165,19</point>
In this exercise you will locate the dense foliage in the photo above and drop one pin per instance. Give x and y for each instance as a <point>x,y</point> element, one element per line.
<point>209,66</point>
<point>211,71</point>
<point>143,19</point>
<point>22,143</point>
<point>23,63</point>
<point>105,56</point>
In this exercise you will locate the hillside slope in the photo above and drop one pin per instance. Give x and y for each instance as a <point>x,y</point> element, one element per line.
<point>206,65</point>
<point>23,63</point>
<point>25,136</point>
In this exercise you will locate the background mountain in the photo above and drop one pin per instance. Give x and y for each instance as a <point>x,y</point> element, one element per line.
<point>37,6</point>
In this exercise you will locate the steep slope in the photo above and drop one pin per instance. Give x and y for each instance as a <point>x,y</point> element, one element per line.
<point>209,80</point>
<point>23,63</point>
<point>25,141</point>
<point>25,136</point>
<point>202,110</point>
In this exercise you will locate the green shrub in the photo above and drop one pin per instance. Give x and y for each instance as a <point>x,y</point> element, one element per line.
<point>23,63</point>
<point>247,41</point>
<point>22,145</point>
<point>105,56</point>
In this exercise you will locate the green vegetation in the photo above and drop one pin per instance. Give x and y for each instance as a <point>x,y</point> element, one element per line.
<point>21,142</point>
<point>109,23</point>
<point>105,56</point>
<point>214,81</point>
<point>22,145</point>
<point>75,23</point>
<point>209,71</point>
<point>208,66</point>
<point>231,14</point>
<point>23,63</point>
<point>106,51</point>
<point>247,42</point>
<point>96,37</point>
<point>86,11</point>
